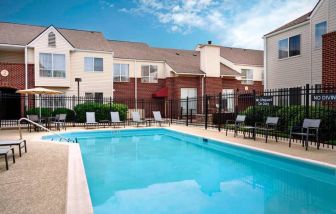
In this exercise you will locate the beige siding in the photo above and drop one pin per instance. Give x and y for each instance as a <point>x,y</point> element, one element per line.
<point>91,81</point>
<point>332,16</point>
<point>30,56</point>
<point>288,72</point>
<point>12,56</point>
<point>40,45</point>
<point>210,60</point>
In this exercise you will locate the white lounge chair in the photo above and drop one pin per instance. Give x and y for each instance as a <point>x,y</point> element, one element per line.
<point>115,119</point>
<point>90,119</point>
<point>60,121</point>
<point>137,119</point>
<point>21,143</point>
<point>4,152</point>
<point>158,118</point>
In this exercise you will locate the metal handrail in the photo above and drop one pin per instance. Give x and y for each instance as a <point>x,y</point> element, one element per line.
<point>42,127</point>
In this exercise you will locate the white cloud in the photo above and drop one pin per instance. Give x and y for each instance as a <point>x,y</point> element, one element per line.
<point>237,23</point>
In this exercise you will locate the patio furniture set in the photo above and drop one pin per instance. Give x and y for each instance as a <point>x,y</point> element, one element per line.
<point>308,130</point>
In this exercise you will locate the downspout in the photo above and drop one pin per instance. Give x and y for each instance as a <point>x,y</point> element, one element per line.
<point>265,64</point>
<point>203,94</point>
<point>135,86</point>
<point>112,78</point>
<point>26,75</point>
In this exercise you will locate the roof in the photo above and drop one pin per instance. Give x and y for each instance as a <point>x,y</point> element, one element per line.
<point>227,71</point>
<point>133,50</point>
<point>243,56</point>
<point>297,21</point>
<point>181,61</point>
<point>21,34</point>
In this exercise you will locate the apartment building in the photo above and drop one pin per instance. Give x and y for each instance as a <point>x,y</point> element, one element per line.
<point>57,58</point>
<point>294,52</point>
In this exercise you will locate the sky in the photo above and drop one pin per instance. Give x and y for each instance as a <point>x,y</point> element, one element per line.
<point>180,24</point>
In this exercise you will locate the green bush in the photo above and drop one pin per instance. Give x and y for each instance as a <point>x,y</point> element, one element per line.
<point>45,112</point>
<point>70,113</point>
<point>259,113</point>
<point>102,110</point>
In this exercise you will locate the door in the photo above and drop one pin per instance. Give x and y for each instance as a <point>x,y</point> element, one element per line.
<point>228,100</point>
<point>191,93</point>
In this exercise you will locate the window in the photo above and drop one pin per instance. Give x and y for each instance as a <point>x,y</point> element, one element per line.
<point>51,40</point>
<point>94,96</point>
<point>53,102</point>
<point>149,74</point>
<point>92,64</point>
<point>247,76</point>
<point>320,29</point>
<point>191,93</point>
<point>290,47</point>
<point>121,73</point>
<point>52,65</point>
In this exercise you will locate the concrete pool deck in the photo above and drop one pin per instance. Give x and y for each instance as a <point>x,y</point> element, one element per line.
<point>38,181</point>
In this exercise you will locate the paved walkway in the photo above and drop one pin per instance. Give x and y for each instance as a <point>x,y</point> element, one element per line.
<point>37,182</point>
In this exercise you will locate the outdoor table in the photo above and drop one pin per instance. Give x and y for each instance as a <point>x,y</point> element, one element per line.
<point>250,129</point>
<point>104,122</point>
<point>47,121</point>
<point>148,121</point>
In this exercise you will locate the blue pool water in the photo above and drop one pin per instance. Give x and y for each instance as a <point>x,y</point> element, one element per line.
<point>162,171</point>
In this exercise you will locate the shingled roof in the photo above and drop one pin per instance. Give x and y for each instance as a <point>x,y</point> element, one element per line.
<point>243,56</point>
<point>227,71</point>
<point>21,34</point>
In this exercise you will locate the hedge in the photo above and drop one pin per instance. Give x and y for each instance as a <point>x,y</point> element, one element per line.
<point>102,111</point>
<point>45,112</point>
<point>70,114</point>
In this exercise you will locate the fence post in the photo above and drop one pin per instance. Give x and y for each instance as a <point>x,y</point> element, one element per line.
<point>219,111</point>
<point>254,105</point>
<point>307,102</point>
<point>191,115</point>
<point>206,112</point>
<point>171,111</point>
<point>110,103</point>
<point>187,120</point>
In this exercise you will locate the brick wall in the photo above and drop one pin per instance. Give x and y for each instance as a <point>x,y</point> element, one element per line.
<point>329,59</point>
<point>237,85</point>
<point>16,76</point>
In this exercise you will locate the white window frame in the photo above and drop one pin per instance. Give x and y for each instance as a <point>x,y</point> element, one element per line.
<point>114,76</point>
<point>245,80</point>
<point>228,95</point>
<point>93,64</point>
<point>288,38</point>
<point>319,46</point>
<point>149,74</point>
<point>52,65</point>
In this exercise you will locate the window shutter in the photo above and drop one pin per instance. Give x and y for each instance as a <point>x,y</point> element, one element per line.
<point>51,40</point>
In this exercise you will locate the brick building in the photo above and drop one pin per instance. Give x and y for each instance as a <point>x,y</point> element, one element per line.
<point>329,59</point>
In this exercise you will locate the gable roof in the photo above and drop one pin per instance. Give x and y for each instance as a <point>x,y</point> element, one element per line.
<point>133,50</point>
<point>227,71</point>
<point>242,56</point>
<point>295,22</point>
<point>21,34</point>
<point>181,61</point>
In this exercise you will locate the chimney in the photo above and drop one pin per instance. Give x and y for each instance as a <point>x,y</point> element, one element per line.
<point>209,42</point>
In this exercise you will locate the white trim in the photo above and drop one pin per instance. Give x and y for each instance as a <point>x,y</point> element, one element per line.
<point>265,64</point>
<point>140,60</point>
<point>191,74</point>
<point>93,51</point>
<point>287,29</point>
<point>314,35</point>
<point>10,45</point>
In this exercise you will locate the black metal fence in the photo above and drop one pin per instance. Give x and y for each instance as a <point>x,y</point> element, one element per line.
<point>291,105</point>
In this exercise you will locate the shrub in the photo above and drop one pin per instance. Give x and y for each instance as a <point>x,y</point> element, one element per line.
<point>45,112</point>
<point>69,113</point>
<point>102,110</point>
<point>259,113</point>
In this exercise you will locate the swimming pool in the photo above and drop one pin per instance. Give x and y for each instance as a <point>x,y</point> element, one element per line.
<point>164,171</point>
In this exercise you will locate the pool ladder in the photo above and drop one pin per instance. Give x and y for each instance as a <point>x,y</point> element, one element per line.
<point>44,128</point>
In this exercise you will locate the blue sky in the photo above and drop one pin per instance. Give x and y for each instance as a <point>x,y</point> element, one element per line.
<point>163,23</point>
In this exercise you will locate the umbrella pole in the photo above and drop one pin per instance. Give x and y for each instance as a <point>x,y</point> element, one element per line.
<point>40,106</point>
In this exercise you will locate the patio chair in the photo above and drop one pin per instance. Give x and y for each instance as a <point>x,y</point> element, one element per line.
<point>310,128</point>
<point>4,152</point>
<point>137,119</point>
<point>34,118</point>
<point>115,119</point>
<point>235,124</point>
<point>60,121</point>
<point>158,118</point>
<point>90,119</point>
<point>20,143</point>
<point>271,125</point>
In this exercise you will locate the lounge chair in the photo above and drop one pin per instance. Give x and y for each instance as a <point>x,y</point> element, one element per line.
<point>159,119</point>
<point>115,119</point>
<point>270,125</point>
<point>90,119</point>
<point>235,124</point>
<point>305,132</point>
<point>60,121</point>
<point>4,152</point>
<point>20,143</point>
<point>137,119</point>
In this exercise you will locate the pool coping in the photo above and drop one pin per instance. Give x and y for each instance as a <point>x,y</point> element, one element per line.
<point>78,194</point>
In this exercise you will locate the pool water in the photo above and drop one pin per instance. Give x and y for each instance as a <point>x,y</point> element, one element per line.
<point>162,171</point>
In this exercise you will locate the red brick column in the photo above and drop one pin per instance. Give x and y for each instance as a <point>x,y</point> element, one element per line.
<point>329,59</point>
